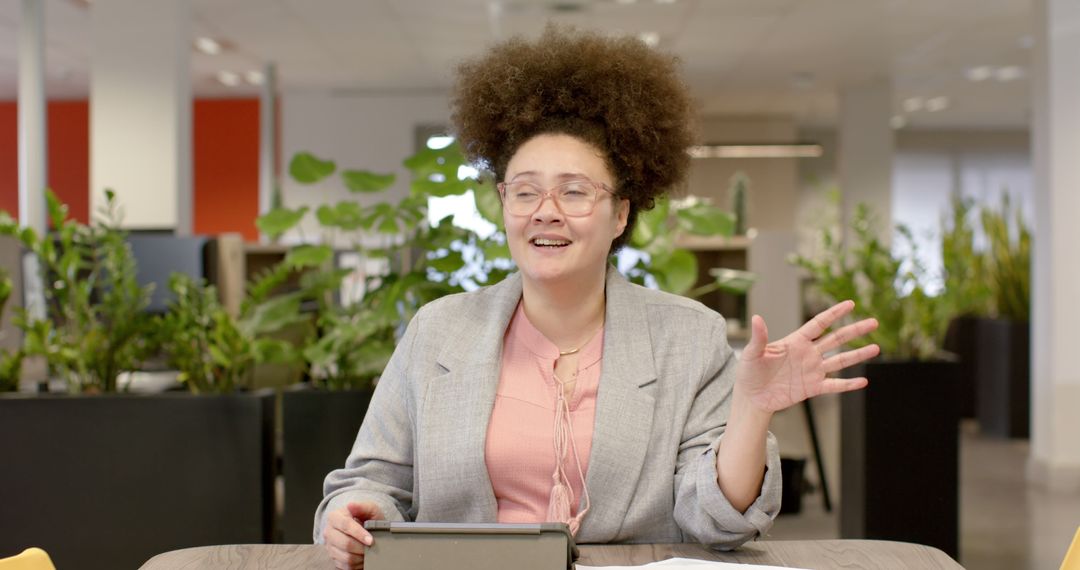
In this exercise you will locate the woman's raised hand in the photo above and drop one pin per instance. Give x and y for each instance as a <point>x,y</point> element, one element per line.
<point>776,375</point>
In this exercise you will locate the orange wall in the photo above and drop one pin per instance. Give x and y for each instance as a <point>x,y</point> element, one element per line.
<point>225,137</point>
<point>69,155</point>
<point>68,161</point>
<point>9,159</point>
<point>226,162</point>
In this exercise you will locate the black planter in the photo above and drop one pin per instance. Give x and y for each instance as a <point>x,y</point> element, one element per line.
<point>899,443</point>
<point>794,484</point>
<point>110,481</point>
<point>319,430</point>
<point>1002,370</point>
<point>961,340</point>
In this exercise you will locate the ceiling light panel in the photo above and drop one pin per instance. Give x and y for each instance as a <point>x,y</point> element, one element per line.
<point>651,39</point>
<point>979,73</point>
<point>756,151</point>
<point>935,104</point>
<point>228,78</point>
<point>913,104</point>
<point>254,77</point>
<point>207,45</point>
<point>1009,73</point>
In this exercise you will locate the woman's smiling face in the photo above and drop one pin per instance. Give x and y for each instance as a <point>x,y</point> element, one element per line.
<point>547,245</point>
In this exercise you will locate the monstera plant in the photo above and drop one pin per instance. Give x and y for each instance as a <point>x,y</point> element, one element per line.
<point>430,259</point>
<point>675,269</point>
<point>354,340</point>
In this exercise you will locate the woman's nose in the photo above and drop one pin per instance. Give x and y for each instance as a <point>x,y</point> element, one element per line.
<point>548,211</point>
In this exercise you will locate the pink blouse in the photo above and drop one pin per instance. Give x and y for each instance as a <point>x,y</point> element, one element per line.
<point>520,449</point>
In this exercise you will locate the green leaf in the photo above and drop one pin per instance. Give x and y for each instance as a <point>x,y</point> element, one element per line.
<point>385,216</point>
<point>346,215</point>
<point>489,204</point>
<point>58,211</point>
<point>219,357</point>
<point>325,280</point>
<point>495,250</point>
<point>678,274</point>
<point>274,314</point>
<point>660,250</point>
<point>388,225</point>
<point>735,281</point>
<point>431,188</point>
<point>377,253</point>
<point>8,225</point>
<point>28,237</point>
<point>428,161</point>
<point>706,220</point>
<point>305,168</point>
<point>279,220</point>
<point>449,263</point>
<point>366,181</point>
<point>650,224</point>
<point>308,256</point>
<point>274,351</point>
<point>320,353</point>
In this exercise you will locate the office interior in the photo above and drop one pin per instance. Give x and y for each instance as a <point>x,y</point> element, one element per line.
<point>191,112</point>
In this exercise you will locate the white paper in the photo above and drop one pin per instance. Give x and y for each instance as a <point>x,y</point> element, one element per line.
<point>686,564</point>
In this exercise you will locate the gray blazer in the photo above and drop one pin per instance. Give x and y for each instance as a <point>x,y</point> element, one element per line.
<point>663,401</point>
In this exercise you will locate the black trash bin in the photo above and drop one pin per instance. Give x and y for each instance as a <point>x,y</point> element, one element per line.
<point>791,473</point>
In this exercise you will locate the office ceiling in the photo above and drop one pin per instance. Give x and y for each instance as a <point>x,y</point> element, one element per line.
<point>739,56</point>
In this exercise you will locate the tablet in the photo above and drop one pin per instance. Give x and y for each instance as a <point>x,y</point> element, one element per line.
<point>472,546</point>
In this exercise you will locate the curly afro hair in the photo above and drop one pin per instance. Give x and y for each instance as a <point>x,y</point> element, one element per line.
<point>615,93</point>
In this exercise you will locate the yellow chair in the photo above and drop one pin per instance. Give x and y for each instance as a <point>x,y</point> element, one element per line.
<point>29,559</point>
<point>1072,556</point>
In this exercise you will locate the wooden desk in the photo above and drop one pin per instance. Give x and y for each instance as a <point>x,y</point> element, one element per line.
<point>816,554</point>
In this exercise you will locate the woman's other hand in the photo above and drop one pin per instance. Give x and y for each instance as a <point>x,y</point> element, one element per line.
<point>780,374</point>
<point>345,536</point>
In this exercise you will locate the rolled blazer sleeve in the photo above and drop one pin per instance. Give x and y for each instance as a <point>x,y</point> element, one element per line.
<point>379,468</point>
<point>701,509</point>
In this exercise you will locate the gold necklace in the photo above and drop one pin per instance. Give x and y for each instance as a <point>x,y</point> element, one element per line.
<point>576,350</point>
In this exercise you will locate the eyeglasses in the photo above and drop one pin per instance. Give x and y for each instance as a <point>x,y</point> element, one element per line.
<point>572,198</point>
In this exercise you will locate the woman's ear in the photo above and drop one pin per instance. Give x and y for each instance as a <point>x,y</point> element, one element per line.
<point>622,213</point>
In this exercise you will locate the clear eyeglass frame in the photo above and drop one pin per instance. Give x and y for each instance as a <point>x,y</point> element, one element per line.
<point>575,198</point>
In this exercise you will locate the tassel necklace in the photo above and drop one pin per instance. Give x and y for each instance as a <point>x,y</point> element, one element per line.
<point>559,502</point>
<point>561,494</point>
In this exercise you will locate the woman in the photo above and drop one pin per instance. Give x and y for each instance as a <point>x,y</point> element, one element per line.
<point>565,393</point>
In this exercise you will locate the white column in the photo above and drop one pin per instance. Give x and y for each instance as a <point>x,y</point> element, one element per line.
<point>140,111</point>
<point>33,137</point>
<point>268,140</point>
<point>1055,436</point>
<point>865,152</point>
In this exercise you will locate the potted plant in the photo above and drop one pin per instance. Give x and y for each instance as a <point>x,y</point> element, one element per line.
<point>675,269</point>
<point>1003,352</point>
<point>907,415</point>
<point>354,338</point>
<point>966,290</point>
<point>96,328</point>
<point>10,361</point>
<point>130,474</point>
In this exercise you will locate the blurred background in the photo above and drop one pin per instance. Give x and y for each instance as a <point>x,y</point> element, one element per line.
<point>290,161</point>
